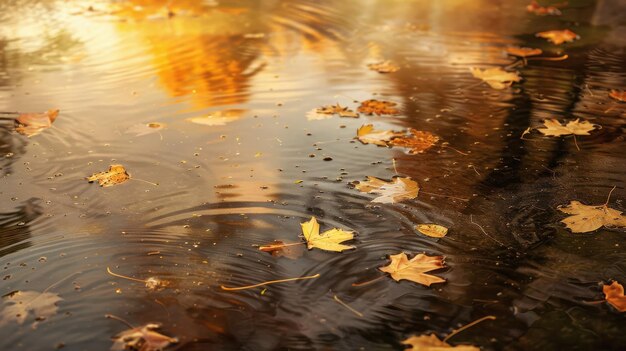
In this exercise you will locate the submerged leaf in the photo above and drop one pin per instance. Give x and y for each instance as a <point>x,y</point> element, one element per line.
<point>558,37</point>
<point>418,142</point>
<point>496,77</point>
<point>432,230</point>
<point>218,118</point>
<point>587,218</point>
<point>554,128</point>
<point>523,52</point>
<point>329,240</point>
<point>30,124</point>
<point>368,135</point>
<point>415,269</point>
<point>537,9</point>
<point>146,128</point>
<point>618,95</point>
<point>143,338</point>
<point>335,109</point>
<point>614,295</point>
<point>115,175</point>
<point>399,189</point>
<point>379,107</point>
<point>383,67</point>
<point>432,343</point>
<point>18,305</point>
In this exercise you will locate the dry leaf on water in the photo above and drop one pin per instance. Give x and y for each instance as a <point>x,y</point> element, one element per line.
<point>432,230</point>
<point>383,67</point>
<point>614,295</point>
<point>115,175</point>
<point>143,338</point>
<point>218,118</point>
<point>522,52</point>
<point>432,343</point>
<point>368,135</point>
<point>558,36</point>
<point>554,128</point>
<point>618,95</point>
<point>497,78</point>
<point>327,111</point>
<point>418,142</point>
<point>146,128</point>
<point>30,124</point>
<point>399,189</point>
<point>379,107</point>
<point>537,9</point>
<point>19,304</point>
<point>414,269</point>
<point>329,240</point>
<point>589,218</point>
<point>280,249</point>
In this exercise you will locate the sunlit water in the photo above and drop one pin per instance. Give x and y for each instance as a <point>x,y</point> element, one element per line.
<point>261,168</point>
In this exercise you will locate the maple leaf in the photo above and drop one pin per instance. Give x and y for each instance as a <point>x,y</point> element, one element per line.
<point>383,67</point>
<point>432,343</point>
<point>31,124</point>
<point>399,189</point>
<point>18,305</point>
<point>618,95</point>
<point>379,107</point>
<point>523,52</point>
<point>143,338</point>
<point>414,269</point>
<point>336,109</point>
<point>368,135</point>
<point>554,128</point>
<point>329,240</point>
<point>497,78</point>
<point>432,230</point>
<point>218,118</point>
<point>115,175</point>
<point>558,37</point>
<point>537,9</point>
<point>614,295</point>
<point>418,142</point>
<point>146,128</point>
<point>587,218</point>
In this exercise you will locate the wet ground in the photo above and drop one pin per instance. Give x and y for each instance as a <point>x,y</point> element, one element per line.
<point>258,167</point>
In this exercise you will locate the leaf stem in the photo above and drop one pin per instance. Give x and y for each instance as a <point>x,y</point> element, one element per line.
<point>484,232</point>
<point>348,307</point>
<point>124,277</point>
<point>145,181</point>
<point>455,332</point>
<point>558,58</point>
<point>576,143</point>
<point>452,197</point>
<point>269,282</point>
<point>278,246</point>
<point>609,197</point>
<point>119,319</point>
<point>368,282</point>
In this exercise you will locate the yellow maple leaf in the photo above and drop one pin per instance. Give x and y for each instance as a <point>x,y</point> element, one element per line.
<point>587,218</point>
<point>31,124</point>
<point>614,295</point>
<point>368,135</point>
<point>415,269</point>
<point>329,240</point>
<point>554,128</point>
<point>115,175</point>
<point>418,142</point>
<point>390,192</point>
<point>432,343</point>
<point>497,78</point>
<point>432,230</point>
<point>558,37</point>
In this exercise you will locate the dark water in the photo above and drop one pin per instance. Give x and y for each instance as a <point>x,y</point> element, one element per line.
<point>112,66</point>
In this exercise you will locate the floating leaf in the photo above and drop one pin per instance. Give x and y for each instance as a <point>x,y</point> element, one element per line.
<point>399,189</point>
<point>280,249</point>
<point>329,240</point>
<point>18,305</point>
<point>418,142</point>
<point>332,110</point>
<point>146,128</point>
<point>537,9</point>
<point>523,52</point>
<point>432,230</point>
<point>618,95</point>
<point>143,338</point>
<point>554,128</point>
<point>115,175</point>
<point>31,124</point>
<point>432,343</point>
<point>496,77</point>
<point>415,269</point>
<point>558,36</point>
<point>614,295</point>
<point>218,118</point>
<point>384,67</point>
<point>589,218</point>
<point>368,135</point>
<point>379,107</point>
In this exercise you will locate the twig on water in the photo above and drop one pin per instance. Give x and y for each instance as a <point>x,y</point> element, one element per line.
<point>269,282</point>
<point>348,307</point>
<point>484,232</point>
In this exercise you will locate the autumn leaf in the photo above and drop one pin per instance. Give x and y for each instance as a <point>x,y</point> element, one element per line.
<point>332,110</point>
<point>432,230</point>
<point>18,305</point>
<point>31,124</point>
<point>496,77</point>
<point>329,240</point>
<point>115,175</point>
<point>587,218</point>
<point>414,269</point>
<point>523,52</point>
<point>399,189</point>
<point>368,135</point>
<point>418,142</point>
<point>537,9</point>
<point>614,295</point>
<point>558,36</point>
<point>432,343</point>
<point>383,67</point>
<point>554,128</point>
<point>281,249</point>
<point>218,118</point>
<point>143,338</point>
<point>618,95</point>
<point>146,128</point>
<point>379,107</point>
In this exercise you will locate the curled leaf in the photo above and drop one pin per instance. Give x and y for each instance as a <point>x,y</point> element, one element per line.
<point>418,142</point>
<point>523,52</point>
<point>497,78</point>
<point>558,37</point>
<point>115,175</point>
<point>399,189</point>
<point>368,135</point>
<point>379,107</point>
<point>383,67</point>
<point>414,269</point>
<point>432,230</point>
<point>143,338</point>
<point>614,295</point>
<point>31,124</point>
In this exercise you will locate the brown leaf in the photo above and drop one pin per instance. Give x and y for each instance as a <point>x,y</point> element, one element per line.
<point>614,295</point>
<point>368,135</point>
<point>554,128</point>
<point>336,109</point>
<point>537,9</point>
<point>523,52</point>
<point>142,338</point>
<point>432,230</point>
<point>379,107</point>
<point>558,36</point>
<point>30,124</point>
<point>384,67</point>
<point>587,218</point>
<point>432,343</point>
<point>415,269</point>
<point>280,249</point>
<point>115,175</point>
<point>618,95</point>
<point>418,142</point>
<point>399,189</point>
<point>496,77</point>
<point>18,305</point>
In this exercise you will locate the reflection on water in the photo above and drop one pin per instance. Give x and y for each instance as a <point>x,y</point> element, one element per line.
<point>239,165</point>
